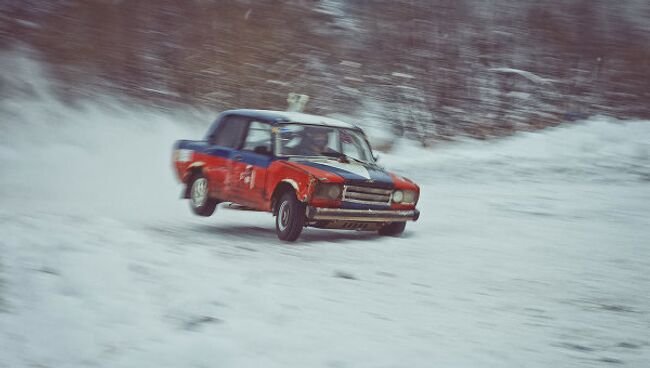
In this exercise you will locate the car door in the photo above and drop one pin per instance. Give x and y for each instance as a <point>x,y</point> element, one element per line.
<point>223,148</point>
<point>250,165</point>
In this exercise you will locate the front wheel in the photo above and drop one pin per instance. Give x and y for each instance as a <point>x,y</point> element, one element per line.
<point>393,229</point>
<point>290,218</point>
<point>200,202</point>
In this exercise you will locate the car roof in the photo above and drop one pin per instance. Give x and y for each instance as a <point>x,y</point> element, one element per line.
<point>292,117</point>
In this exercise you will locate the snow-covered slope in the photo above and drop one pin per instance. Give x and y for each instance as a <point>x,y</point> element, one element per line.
<point>531,251</point>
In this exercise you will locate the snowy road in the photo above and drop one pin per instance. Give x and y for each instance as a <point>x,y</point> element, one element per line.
<point>533,251</point>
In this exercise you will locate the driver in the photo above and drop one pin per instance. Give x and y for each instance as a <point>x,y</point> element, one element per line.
<point>314,142</point>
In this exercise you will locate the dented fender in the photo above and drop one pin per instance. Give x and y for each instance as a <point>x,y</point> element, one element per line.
<point>300,180</point>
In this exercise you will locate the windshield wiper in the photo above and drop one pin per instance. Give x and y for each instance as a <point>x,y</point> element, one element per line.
<point>332,153</point>
<point>344,157</point>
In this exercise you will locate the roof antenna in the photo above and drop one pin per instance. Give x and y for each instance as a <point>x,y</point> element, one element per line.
<point>297,102</point>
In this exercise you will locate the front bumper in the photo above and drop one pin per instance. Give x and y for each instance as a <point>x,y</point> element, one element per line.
<point>329,214</point>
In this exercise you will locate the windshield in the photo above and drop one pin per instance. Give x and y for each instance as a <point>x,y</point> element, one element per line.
<point>321,141</point>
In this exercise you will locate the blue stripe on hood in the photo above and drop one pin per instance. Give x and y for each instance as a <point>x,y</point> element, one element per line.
<point>379,177</point>
<point>347,175</point>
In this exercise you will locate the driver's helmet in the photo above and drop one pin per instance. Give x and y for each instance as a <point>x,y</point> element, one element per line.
<point>316,136</point>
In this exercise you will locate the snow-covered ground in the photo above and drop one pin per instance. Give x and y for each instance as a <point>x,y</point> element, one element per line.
<point>532,251</point>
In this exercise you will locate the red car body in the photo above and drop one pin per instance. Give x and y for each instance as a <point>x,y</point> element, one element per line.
<point>258,178</point>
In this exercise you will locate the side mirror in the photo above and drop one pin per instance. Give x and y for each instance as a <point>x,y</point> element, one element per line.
<point>376,157</point>
<point>262,150</point>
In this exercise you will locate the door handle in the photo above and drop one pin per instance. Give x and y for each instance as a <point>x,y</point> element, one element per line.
<point>237,158</point>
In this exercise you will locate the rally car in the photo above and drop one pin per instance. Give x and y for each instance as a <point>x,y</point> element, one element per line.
<point>307,170</point>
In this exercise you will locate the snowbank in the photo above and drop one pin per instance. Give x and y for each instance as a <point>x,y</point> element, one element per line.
<point>597,150</point>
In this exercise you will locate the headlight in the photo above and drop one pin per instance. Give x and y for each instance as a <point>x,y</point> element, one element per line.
<point>328,191</point>
<point>405,196</point>
<point>182,155</point>
<point>410,196</point>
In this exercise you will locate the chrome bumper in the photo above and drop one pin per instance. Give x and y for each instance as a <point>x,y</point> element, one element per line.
<point>328,214</point>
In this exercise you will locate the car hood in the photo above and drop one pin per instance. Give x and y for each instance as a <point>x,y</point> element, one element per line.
<point>352,172</point>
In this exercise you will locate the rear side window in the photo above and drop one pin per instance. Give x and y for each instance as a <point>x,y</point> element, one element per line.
<point>259,135</point>
<point>230,132</point>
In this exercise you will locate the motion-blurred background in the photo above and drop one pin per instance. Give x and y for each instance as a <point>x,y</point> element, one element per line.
<point>531,250</point>
<point>424,69</point>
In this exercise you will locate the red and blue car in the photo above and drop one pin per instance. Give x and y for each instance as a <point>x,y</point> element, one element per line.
<point>307,170</point>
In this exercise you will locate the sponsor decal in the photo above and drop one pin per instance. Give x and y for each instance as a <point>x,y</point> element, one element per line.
<point>248,176</point>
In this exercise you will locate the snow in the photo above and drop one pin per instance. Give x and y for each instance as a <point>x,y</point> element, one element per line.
<point>351,64</point>
<point>281,83</point>
<point>27,24</point>
<point>526,74</point>
<point>347,89</point>
<point>530,251</point>
<point>160,91</point>
<point>353,79</point>
<point>402,75</point>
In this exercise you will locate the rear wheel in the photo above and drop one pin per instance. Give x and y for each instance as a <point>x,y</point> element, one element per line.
<point>290,218</point>
<point>393,229</point>
<point>200,201</point>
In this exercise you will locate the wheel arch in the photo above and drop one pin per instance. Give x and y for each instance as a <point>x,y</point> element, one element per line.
<point>283,186</point>
<point>193,170</point>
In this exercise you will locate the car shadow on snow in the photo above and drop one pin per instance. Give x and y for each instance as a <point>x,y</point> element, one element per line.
<point>267,234</point>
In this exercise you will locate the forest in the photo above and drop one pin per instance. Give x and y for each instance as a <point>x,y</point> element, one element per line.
<point>425,70</point>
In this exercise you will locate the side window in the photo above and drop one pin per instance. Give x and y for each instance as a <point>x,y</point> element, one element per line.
<point>351,146</point>
<point>230,132</point>
<point>259,135</point>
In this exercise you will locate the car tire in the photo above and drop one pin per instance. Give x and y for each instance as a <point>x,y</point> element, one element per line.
<point>393,229</point>
<point>200,201</point>
<point>290,218</point>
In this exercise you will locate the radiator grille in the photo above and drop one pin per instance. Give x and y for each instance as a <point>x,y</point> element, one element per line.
<point>365,195</point>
